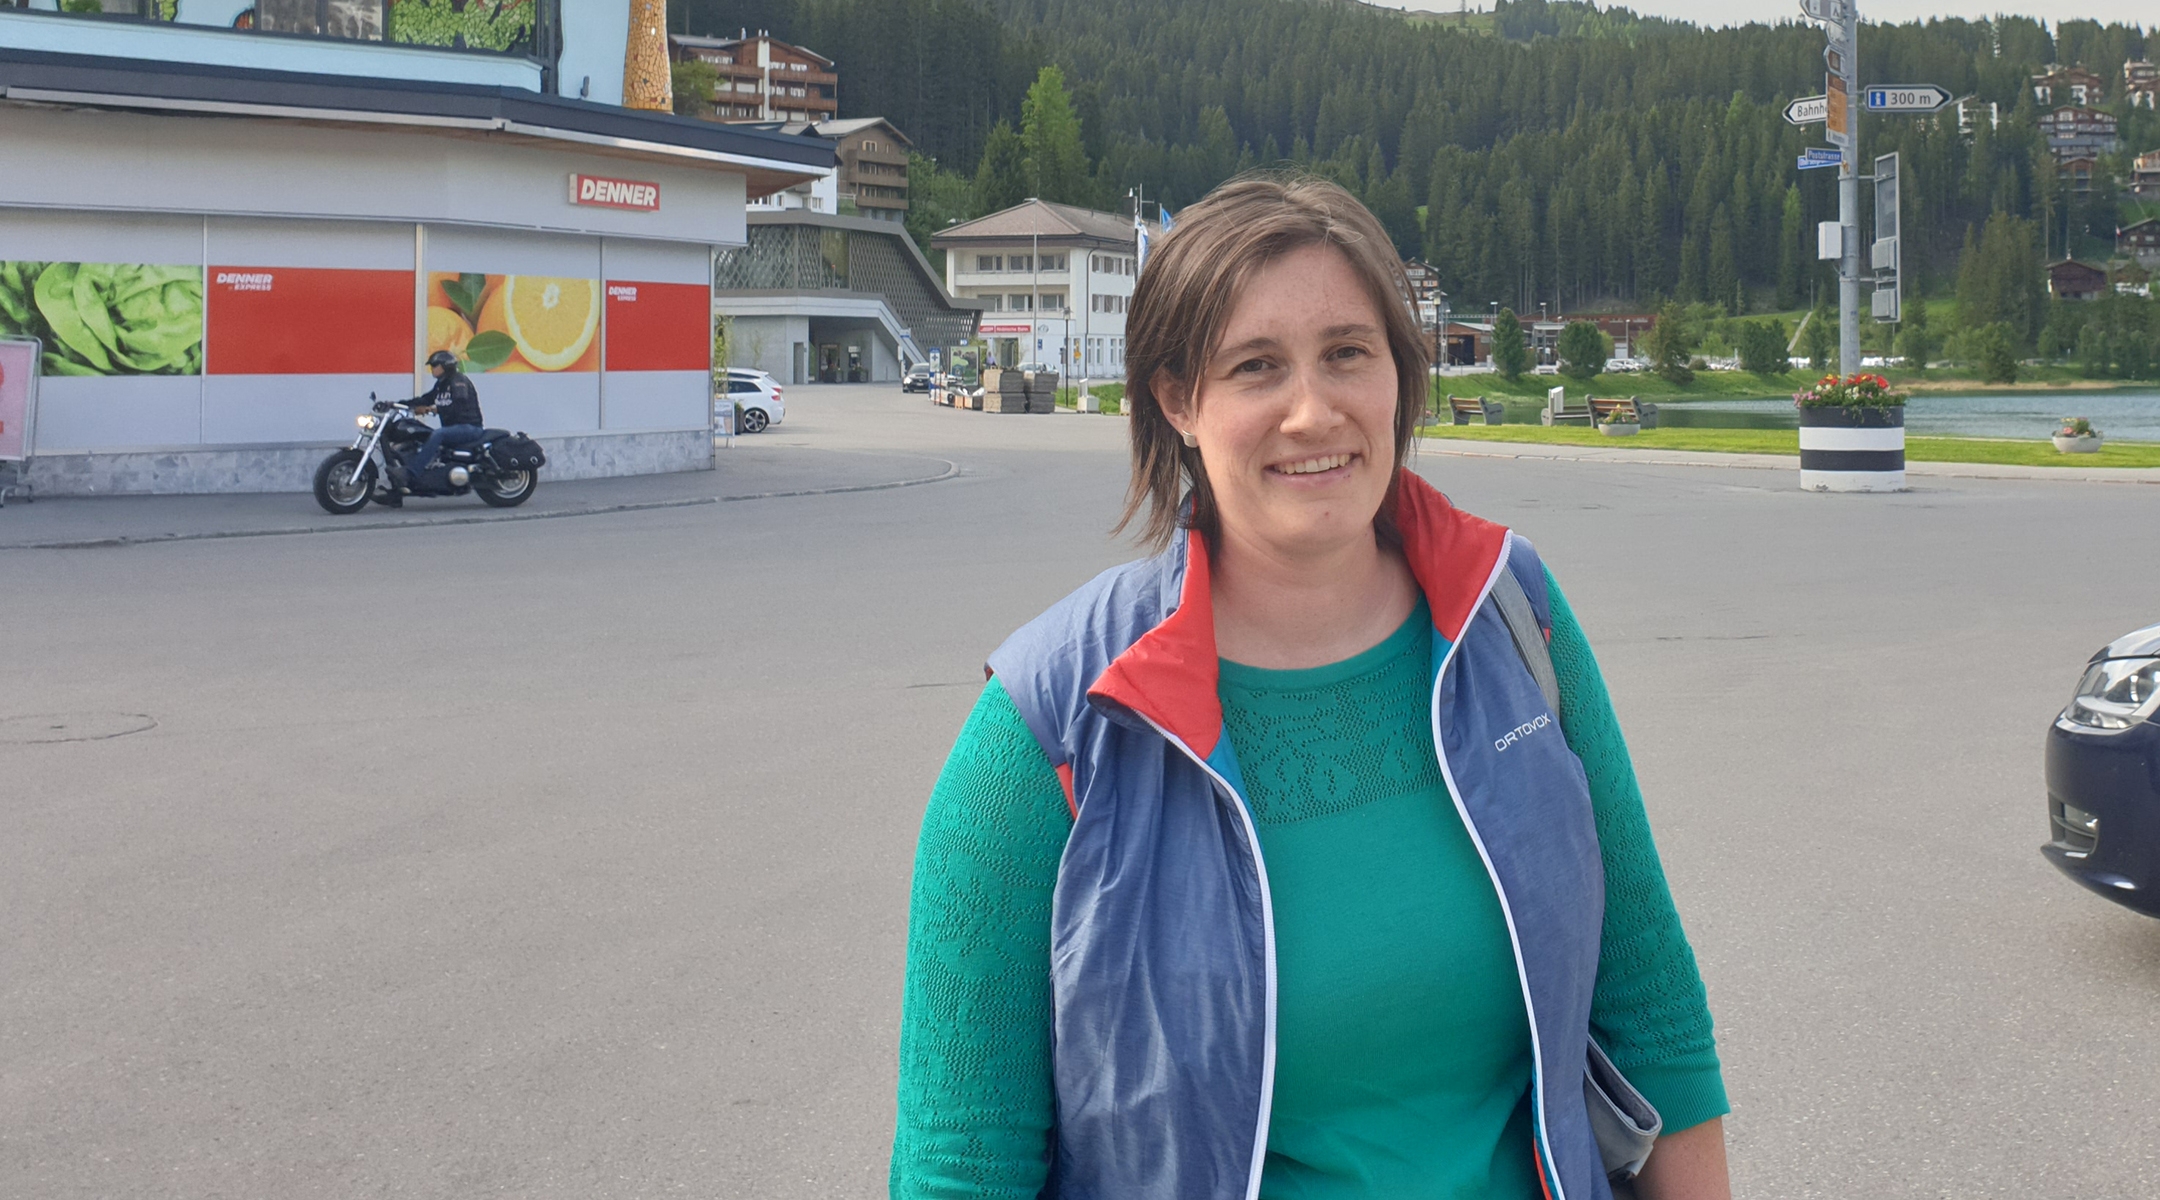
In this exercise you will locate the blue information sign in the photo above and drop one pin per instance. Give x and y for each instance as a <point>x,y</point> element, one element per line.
<point>1817,157</point>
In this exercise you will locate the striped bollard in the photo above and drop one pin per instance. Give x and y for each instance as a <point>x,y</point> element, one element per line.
<point>1857,449</point>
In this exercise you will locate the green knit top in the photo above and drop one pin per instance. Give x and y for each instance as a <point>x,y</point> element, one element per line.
<point>1403,1061</point>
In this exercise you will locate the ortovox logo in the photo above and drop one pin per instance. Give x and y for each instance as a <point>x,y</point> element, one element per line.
<point>1522,731</point>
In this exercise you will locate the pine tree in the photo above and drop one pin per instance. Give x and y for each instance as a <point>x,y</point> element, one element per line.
<point>1002,179</point>
<point>1056,165</point>
<point>1510,354</point>
<point>1792,228</point>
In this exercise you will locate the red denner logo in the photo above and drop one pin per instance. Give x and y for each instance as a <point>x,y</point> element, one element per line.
<point>599,190</point>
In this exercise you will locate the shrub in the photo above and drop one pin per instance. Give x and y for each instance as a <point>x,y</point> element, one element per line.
<point>1582,350</point>
<point>1762,348</point>
<point>1997,353</point>
<point>1510,354</point>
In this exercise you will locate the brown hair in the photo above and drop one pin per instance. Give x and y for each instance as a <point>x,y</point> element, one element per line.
<point>1184,298</point>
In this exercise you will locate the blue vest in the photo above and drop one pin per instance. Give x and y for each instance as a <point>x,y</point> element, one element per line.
<point>1162,948</point>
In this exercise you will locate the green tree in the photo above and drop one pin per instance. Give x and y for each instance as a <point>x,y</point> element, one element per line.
<point>1821,340</point>
<point>936,198</point>
<point>2092,352</point>
<point>1792,228</point>
<point>1669,343</point>
<point>1582,350</point>
<point>1915,340</point>
<point>1510,353</point>
<point>1997,349</point>
<point>1057,166</point>
<point>694,82</point>
<point>1001,179</point>
<point>1762,347</point>
<point>2001,279</point>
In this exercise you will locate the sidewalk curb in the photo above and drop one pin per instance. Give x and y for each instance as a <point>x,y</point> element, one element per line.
<point>952,470</point>
<point>1781,462</point>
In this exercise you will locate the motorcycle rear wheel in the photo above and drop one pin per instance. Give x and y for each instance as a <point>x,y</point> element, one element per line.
<point>507,489</point>
<point>335,488</point>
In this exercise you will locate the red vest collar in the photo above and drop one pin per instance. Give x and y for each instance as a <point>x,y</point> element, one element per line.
<point>1169,675</point>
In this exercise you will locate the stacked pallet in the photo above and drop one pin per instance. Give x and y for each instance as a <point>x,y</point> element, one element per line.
<point>1009,391</point>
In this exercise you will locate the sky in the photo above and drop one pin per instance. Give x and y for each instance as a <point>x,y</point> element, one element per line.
<point>1729,12</point>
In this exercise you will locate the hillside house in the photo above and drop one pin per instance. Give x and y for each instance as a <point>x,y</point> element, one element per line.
<point>2068,85</point>
<point>2073,280</point>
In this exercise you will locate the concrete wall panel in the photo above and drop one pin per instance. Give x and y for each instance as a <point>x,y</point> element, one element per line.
<point>541,403</point>
<point>290,408</point>
<point>270,242</point>
<point>49,235</point>
<point>128,411</point>
<point>648,400</point>
<point>655,262</point>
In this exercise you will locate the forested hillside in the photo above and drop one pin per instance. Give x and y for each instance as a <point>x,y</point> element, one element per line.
<point>1561,153</point>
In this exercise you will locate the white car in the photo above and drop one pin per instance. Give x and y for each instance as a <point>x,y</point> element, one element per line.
<point>757,394</point>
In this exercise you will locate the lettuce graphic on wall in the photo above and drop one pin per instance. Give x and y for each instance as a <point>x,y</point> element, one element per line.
<point>106,318</point>
<point>462,24</point>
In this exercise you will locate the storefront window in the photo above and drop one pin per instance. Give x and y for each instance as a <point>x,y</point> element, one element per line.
<point>503,26</point>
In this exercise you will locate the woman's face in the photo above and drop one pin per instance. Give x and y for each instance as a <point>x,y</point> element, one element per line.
<point>1295,412</point>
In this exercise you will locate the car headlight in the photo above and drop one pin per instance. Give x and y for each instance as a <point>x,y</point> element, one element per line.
<point>367,422</point>
<point>2115,694</point>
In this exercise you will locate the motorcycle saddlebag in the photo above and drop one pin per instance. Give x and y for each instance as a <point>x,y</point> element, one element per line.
<point>516,453</point>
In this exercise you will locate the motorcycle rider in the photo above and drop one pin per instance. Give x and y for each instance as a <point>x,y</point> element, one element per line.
<point>458,403</point>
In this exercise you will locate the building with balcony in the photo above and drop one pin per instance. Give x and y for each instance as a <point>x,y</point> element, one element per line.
<point>2060,85</point>
<point>763,78</point>
<point>1054,280</point>
<point>2073,280</point>
<point>2074,131</point>
<point>2145,174</point>
<point>2140,241</point>
<point>319,200</point>
<point>813,297</point>
<point>873,177</point>
<point>2141,83</point>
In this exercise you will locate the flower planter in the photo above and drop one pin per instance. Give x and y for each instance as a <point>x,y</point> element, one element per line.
<point>1620,429</point>
<point>1857,449</point>
<point>2089,444</point>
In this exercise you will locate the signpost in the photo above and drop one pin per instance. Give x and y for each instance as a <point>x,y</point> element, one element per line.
<point>1816,157</point>
<point>1886,255</point>
<point>1918,98</point>
<point>1807,110</point>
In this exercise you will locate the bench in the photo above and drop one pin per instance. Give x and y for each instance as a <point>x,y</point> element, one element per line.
<point>1559,412</point>
<point>1602,410</point>
<point>1462,408</point>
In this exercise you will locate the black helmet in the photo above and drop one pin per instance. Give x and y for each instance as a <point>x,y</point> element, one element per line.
<point>444,359</point>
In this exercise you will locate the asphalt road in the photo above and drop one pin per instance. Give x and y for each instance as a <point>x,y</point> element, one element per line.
<point>569,858</point>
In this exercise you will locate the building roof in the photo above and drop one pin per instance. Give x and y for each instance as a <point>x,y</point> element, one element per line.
<point>840,129</point>
<point>771,161</point>
<point>693,41</point>
<point>1042,218</point>
<point>2137,225</point>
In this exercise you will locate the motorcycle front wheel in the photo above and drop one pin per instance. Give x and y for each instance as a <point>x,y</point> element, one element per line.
<point>336,488</point>
<point>507,489</point>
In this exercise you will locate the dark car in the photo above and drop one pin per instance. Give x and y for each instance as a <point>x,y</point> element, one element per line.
<point>917,379</point>
<point>2103,775</point>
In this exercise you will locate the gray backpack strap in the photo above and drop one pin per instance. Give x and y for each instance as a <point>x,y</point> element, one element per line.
<point>1522,625</point>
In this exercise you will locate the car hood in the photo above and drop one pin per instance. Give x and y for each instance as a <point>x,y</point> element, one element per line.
<point>2142,643</point>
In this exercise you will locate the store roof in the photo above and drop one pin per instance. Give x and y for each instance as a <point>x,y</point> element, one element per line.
<point>1042,218</point>
<point>771,161</point>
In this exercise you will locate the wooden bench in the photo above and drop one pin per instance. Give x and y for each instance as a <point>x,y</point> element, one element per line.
<point>1559,412</point>
<point>1601,410</point>
<point>1462,408</point>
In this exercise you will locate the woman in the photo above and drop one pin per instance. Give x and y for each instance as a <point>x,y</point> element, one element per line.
<point>1262,867</point>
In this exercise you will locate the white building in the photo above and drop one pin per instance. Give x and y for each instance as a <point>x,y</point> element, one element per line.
<point>312,232</point>
<point>1055,281</point>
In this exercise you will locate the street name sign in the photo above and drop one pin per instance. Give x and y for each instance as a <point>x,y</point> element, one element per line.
<point>1814,158</point>
<point>1907,98</point>
<point>1807,110</point>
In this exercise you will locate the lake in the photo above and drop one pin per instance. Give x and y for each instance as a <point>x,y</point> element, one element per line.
<point>2130,416</point>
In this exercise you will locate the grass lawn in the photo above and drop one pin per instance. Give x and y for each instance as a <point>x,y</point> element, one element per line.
<point>1787,441</point>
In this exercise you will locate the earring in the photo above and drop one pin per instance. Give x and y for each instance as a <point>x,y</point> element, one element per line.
<point>1189,439</point>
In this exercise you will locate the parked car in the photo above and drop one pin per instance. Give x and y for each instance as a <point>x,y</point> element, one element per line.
<point>757,395</point>
<point>2103,789</point>
<point>917,378</point>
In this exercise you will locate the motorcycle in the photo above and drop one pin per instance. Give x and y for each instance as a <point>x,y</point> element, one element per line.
<point>502,468</point>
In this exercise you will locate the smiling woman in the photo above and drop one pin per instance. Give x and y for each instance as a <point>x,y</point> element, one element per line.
<point>1303,858</point>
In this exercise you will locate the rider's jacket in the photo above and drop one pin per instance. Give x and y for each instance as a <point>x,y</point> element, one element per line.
<point>1162,952</point>
<point>455,399</point>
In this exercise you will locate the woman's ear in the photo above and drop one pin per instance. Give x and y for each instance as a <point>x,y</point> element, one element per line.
<point>1173,398</point>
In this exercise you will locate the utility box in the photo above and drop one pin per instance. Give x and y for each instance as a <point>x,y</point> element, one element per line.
<point>1829,241</point>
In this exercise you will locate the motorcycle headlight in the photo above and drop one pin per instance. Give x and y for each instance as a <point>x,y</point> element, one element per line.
<point>367,422</point>
<point>2115,694</point>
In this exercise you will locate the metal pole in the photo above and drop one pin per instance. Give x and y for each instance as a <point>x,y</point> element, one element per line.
<point>1035,275</point>
<point>1849,195</point>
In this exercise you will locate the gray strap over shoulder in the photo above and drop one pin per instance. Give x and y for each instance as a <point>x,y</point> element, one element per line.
<point>1522,625</point>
